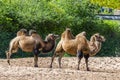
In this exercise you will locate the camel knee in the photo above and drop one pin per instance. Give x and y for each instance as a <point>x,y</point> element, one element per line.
<point>86,56</point>
<point>36,51</point>
<point>8,54</point>
<point>79,54</point>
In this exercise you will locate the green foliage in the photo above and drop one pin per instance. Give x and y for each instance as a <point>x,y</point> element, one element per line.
<point>108,3</point>
<point>53,16</point>
<point>4,40</point>
<point>111,31</point>
<point>43,14</point>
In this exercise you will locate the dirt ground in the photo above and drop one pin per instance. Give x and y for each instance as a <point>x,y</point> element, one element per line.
<point>102,68</point>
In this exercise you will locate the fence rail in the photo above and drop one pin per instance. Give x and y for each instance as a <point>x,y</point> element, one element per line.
<point>109,17</point>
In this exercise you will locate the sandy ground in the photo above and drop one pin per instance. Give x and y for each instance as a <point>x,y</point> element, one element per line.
<point>104,68</point>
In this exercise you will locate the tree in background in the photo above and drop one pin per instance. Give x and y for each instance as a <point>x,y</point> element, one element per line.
<point>115,4</point>
<point>53,16</point>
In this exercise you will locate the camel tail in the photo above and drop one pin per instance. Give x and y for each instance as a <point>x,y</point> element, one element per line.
<point>8,57</point>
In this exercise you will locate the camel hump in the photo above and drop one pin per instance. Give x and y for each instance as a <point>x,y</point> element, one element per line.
<point>82,34</point>
<point>36,37</point>
<point>32,31</point>
<point>22,32</point>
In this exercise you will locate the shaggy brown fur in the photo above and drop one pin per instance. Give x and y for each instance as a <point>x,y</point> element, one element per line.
<point>72,46</point>
<point>30,43</point>
<point>49,43</point>
<point>37,38</point>
<point>78,46</point>
<point>95,43</point>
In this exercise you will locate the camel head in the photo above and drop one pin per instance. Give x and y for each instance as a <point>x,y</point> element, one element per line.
<point>32,32</point>
<point>51,37</point>
<point>99,37</point>
<point>95,43</point>
<point>22,32</point>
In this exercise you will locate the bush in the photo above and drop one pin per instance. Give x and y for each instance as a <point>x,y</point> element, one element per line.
<point>53,16</point>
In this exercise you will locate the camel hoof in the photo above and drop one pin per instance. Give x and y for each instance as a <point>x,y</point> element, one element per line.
<point>8,62</point>
<point>35,65</point>
<point>88,69</point>
<point>78,69</point>
<point>60,67</point>
<point>50,66</point>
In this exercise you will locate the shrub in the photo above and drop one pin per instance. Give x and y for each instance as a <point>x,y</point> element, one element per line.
<point>53,16</point>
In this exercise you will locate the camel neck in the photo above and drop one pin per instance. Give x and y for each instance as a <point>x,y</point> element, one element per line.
<point>96,48</point>
<point>49,45</point>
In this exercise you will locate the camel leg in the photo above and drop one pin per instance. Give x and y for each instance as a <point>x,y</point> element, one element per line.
<point>59,59</point>
<point>10,51</point>
<point>80,56</point>
<point>36,52</point>
<point>52,60</point>
<point>35,60</point>
<point>86,61</point>
<point>8,54</point>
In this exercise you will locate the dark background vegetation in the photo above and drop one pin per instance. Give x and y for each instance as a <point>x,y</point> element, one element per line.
<point>53,16</point>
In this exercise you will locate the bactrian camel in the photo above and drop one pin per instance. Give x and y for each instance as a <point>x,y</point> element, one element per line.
<point>78,46</point>
<point>32,43</point>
